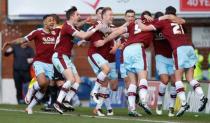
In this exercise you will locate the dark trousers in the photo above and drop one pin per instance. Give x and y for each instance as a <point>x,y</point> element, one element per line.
<point>20,77</point>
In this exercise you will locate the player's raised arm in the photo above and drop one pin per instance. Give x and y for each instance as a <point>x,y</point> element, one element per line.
<point>16,41</point>
<point>173,18</point>
<point>144,27</point>
<point>148,18</point>
<point>112,36</point>
<point>85,35</point>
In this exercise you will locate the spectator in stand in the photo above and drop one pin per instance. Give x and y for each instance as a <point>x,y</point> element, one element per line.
<point>23,57</point>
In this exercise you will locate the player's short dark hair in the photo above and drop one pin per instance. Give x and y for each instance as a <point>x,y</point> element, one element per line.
<point>105,9</point>
<point>158,14</point>
<point>57,18</point>
<point>170,10</point>
<point>130,11</point>
<point>70,12</point>
<point>100,8</point>
<point>46,16</point>
<point>146,13</point>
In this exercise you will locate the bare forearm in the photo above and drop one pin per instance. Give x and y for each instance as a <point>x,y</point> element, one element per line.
<point>112,36</point>
<point>119,31</point>
<point>173,18</point>
<point>113,29</point>
<point>88,34</point>
<point>180,20</point>
<point>165,17</point>
<point>18,41</point>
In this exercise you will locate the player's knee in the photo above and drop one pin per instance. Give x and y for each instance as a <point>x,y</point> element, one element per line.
<point>73,80</point>
<point>78,80</point>
<point>165,81</point>
<point>106,69</point>
<point>43,82</point>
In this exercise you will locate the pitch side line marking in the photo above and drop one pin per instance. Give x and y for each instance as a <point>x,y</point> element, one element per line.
<point>89,116</point>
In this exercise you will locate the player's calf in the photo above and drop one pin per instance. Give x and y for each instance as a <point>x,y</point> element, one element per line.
<point>31,91</point>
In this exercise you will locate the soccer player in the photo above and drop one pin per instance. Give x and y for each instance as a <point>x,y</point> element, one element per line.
<point>135,62</point>
<point>129,17</point>
<point>183,55</point>
<point>98,13</point>
<point>52,89</point>
<point>164,67</point>
<point>61,57</point>
<point>44,39</point>
<point>102,63</point>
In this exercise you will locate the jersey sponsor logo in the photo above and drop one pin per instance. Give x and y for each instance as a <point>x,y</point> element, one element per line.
<point>48,40</point>
<point>159,36</point>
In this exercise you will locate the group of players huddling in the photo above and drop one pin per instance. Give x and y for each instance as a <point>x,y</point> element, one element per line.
<point>174,55</point>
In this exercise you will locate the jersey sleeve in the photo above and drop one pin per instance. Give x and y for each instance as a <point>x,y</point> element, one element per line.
<point>71,31</point>
<point>31,36</point>
<point>158,24</point>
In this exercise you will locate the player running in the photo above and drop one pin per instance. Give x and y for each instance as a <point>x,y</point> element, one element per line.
<point>44,39</point>
<point>135,62</point>
<point>184,58</point>
<point>129,17</point>
<point>61,57</point>
<point>164,67</point>
<point>102,62</point>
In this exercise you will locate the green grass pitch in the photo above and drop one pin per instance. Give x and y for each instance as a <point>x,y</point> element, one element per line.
<point>16,114</point>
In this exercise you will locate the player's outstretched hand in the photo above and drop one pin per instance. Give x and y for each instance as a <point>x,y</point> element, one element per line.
<point>114,49</point>
<point>148,18</point>
<point>99,43</point>
<point>5,45</point>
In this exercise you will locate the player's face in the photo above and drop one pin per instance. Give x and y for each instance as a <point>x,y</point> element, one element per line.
<point>49,23</point>
<point>108,17</point>
<point>76,17</point>
<point>98,15</point>
<point>130,17</point>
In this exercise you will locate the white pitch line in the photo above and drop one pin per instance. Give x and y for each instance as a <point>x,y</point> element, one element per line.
<point>89,116</point>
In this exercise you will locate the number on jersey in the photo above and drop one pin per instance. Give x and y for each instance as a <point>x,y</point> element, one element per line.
<point>177,28</point>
